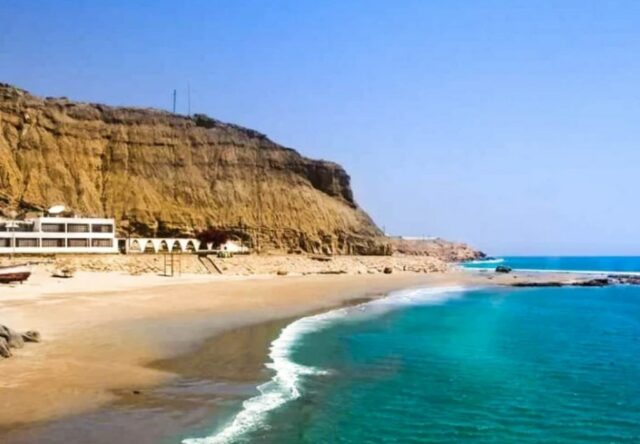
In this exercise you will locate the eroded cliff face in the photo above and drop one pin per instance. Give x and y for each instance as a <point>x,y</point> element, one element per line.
<point>158,174</point>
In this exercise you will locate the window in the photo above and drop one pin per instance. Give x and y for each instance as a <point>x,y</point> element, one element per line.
<point>23,227</point>
<point>5,242</point>
<point>78,228</point>
<point>102,243</point>
<point>78,243</point>
<point>53,228</point>
<point>53,243</point>
<point>102,228</point>
<point>27,242</point>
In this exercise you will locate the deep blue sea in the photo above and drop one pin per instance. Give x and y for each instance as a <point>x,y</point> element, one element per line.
<point>490,365</point>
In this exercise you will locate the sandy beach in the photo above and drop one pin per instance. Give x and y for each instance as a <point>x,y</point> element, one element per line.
<point>109,334</point>
<point>100,330</point>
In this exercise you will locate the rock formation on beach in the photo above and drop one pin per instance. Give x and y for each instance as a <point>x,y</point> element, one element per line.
<point>159,173</point>
<point>11,339</point>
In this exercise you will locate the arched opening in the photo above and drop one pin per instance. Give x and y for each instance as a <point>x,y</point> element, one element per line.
<point>164,248</point>
<point>149,248</point>
<point>191,247</point>
<point>177,248</point>
<point>134,246</point>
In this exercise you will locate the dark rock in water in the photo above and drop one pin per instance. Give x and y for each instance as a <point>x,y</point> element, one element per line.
<point>593,282</point>
<point>629,279</point>
<point>503,269</point>
<point>597,282</point>
<point>537,284</point>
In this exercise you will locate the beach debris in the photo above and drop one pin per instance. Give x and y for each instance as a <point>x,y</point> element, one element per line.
<point>387,270</point>
<point>11,339</point>
<point>63,272</point>
<point>320,258</point>
<point>282,272</point>
<point>503,269</point>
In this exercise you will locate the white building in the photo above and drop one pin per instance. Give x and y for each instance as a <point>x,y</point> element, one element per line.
<point>177,245</point>
<point>58,235</point>
<point>234,247</point>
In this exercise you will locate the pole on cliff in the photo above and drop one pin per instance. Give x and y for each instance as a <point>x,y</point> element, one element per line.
<point>189,99</point>
<point>175,92</point>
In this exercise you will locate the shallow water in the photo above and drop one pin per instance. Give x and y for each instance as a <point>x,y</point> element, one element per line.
<point>492,365</point>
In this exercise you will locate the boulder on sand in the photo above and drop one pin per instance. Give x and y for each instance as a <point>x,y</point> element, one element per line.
<point>503,269</point>
<point>11,339</point>
<point>5,351</point>
<point>31,336</point>
<point>14,339</point>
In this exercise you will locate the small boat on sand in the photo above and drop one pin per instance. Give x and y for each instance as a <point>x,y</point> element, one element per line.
<point>14,273</point>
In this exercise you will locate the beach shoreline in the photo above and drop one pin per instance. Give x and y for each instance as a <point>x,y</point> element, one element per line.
<point>106,334</point>
<point>102,339</point>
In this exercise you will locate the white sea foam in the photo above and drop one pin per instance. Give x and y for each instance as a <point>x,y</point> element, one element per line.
<point>285,385</point>
<point>487,261</point>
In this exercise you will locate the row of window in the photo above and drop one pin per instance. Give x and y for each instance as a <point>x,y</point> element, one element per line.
<point>76,228</point>
<point>59,243</point>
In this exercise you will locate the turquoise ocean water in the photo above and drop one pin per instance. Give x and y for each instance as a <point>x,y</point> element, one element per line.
<point>455,365</point>
<point>622,264</point>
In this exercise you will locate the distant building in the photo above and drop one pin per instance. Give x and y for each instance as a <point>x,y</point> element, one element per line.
<point>234,247</point>
<point>58,235</point>
<point>414,238</point>
<point>177,245</point>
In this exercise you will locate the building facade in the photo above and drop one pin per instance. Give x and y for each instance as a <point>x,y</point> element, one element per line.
<point>58,235</point>
<point>177,245</point>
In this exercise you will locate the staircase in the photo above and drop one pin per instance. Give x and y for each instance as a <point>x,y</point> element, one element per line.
<point>209,264</point>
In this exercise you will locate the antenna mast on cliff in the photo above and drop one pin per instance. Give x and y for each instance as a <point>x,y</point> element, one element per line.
<point>175,92</point>
<point>189,99</point>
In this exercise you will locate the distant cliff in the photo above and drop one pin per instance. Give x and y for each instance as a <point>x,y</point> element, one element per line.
<point>159,173</point>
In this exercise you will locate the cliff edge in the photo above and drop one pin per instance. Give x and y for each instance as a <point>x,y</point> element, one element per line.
<point>159,173</point>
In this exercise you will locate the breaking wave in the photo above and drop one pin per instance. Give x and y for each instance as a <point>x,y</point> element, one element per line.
<point>285,384</point>
<point>485,261</point>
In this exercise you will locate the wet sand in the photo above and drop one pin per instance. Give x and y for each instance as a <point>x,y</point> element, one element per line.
<point>212,380</point>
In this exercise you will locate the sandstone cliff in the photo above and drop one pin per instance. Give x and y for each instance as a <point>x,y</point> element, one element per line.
<point>442,249</point>
<point>159,173</point>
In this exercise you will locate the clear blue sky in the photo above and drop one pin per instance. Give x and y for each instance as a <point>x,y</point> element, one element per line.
<point>512,125</point>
